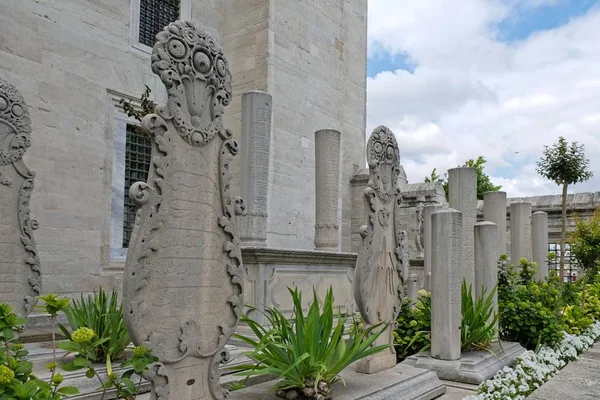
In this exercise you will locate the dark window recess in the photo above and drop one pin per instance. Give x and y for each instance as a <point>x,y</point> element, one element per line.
<point>571,263</point>
<point>138,153</point>
<point>154,16</point>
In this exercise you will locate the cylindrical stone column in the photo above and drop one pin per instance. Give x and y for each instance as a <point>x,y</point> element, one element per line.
<point>462,196</point>
<point>446,278</point>
<point>520,232</point>
<point>539,246</point>
<point>486,261</point>
<point>427,211</point>
<point>256,154</point>
<point>327,178</point>
<point>494,210</point>
<point>413,288</point>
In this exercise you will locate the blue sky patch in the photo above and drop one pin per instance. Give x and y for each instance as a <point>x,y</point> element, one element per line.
<point>525,21</point>
<point>382,60</point>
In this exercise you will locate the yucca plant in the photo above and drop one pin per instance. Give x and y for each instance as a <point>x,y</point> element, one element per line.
<point>478,327</point>
<point>306,352</point>
<point>104,315</point>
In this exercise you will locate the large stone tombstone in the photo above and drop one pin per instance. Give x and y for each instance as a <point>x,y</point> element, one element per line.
<point>183,282</point>
<point>380,268</point>
<point>20,281</point>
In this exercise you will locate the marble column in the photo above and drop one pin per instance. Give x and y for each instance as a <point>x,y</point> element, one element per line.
<point>494,210</point>
<point>413,288</point>
<point>486,261</point>
<point>327,178</point>
<point>462,196</point>
<point>256,152</point>
<point>427,211</point>
<point>539,246</point>
<point>520,232</point>
<point>447,273</point>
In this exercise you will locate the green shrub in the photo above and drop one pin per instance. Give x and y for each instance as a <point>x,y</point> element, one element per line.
<point>575,320</point>
<point>478,325</point>
<point>104,315</point>
<point>413,331</point>
<point>16,379</point>
<point>306,353</point>
<point>529,314</point>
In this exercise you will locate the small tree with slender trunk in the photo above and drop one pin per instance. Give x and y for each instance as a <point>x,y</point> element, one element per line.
<point>564,164</point>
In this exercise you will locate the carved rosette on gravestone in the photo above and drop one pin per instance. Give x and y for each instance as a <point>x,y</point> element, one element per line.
<point>183,282</point>
<point>20,281</point>
<point>380,268</point>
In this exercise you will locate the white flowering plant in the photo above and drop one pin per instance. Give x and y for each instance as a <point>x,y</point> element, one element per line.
<point>533,368</point>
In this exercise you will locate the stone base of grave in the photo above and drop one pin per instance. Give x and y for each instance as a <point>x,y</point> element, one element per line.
<point>403,382</point>
<point>473,367</point>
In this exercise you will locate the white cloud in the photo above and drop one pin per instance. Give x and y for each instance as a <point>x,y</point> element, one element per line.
<point>472,94</point>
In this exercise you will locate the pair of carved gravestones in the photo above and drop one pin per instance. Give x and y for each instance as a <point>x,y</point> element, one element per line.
<point>183,282</point>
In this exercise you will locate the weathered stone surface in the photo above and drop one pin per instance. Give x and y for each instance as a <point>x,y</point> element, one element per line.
<point>269,272</point>
<point>412,288</point>
<point>403,382</point>
<point>462,196</point>
<point>486,262</point>
<point>539,243</point>
<point>183,278</point>
<point>446,279</point>
<point>494,210</point>
<point>380,269</point>
<point>520,232</point>
<point>327,179</point>
<point>20,281</point>
<point>428,211</point>
<point>473,366</point>
<point>255,155</point>
<point>419,240</point>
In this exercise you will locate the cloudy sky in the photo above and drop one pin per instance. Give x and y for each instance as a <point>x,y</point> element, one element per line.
<point>455,79</point>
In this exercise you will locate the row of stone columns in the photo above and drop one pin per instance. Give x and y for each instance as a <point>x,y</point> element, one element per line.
<point>256,154</point>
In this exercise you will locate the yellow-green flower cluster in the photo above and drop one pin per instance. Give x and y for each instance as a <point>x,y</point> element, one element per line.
<point>6,375</point>
<point>140,351</point>
<point>83,335</point>
<point>57,379</point>
<point>51,366</point>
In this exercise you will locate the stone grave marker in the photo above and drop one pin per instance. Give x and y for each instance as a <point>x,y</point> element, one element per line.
<point>380,269</point>
<point>183,282</point>
<point>20,281</point>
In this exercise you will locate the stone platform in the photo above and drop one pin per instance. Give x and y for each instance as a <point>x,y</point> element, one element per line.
<point>473,367</point>
<point>402,382</point>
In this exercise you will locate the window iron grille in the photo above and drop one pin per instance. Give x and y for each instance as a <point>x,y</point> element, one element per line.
<point>571,263</point>
<point>154,16</point>
<point>138,155</point>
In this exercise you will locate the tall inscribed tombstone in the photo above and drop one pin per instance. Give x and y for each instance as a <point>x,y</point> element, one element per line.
<point>382,263</point>
<point>20,281</point>
<point>183,284</point>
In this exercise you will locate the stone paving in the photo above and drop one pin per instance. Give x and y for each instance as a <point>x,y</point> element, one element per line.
<point>579,380</point>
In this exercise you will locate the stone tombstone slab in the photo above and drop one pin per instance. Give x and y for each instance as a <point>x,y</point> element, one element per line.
<point>420,239</point>
<point>539,243</point>
<point>486,262</point>
<point>20,281</point>
<point>446,280</point>
<point>462,196</point>
<point>427,212</point>
<point>256,155</point>
<point>183,278</point>
<point>494,210</point>
<point>381,271</point>
<point>520,232</point>
<point>327,178</point>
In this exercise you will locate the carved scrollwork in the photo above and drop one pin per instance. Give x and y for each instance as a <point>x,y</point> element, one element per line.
<point>16,187</point>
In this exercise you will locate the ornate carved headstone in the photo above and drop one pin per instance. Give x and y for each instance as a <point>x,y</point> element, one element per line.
<point>20,281</point>
<point>382,263</point>
<point>183,277</point>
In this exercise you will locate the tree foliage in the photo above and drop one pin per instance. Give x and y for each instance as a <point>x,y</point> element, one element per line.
<point>484,183</point>
<point>564,163</point>
<point>585,244</point>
